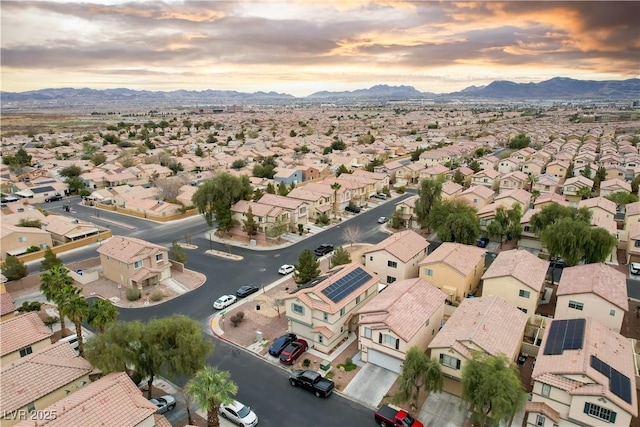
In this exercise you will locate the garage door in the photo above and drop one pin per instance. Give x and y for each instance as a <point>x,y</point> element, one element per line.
<point>384,360</point>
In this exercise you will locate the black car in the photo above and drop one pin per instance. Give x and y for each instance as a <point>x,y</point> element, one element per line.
<point>353,209</point>
<point>246,290</point>
<point>53,198</point>
<point>312,381</point>
<point>323,249</point>
<point>483,242</point>
<point>280,343</point>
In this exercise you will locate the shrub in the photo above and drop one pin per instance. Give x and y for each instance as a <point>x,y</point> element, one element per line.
<point>236,319</point>
<point>156,296</point>
<point>133,294</point>
<point>240,315</point>
<point>28,306</point>
<point>33,249</point>
<point>401,189</point>
<point>306,363</point>
<point>135,376</point>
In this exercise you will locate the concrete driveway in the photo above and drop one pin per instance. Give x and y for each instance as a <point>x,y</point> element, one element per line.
<point>443,410</point>
<point>370,384</point>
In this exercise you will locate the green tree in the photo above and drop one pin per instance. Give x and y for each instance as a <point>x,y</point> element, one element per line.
<point>491,385</point>
<point>75,184</point>
<point>458,177</point>
<point>176,253</point>
<point>71,171</point>
<point>175,166</point>
<point>418,372</point>
<point>214,198</point>
<point>519,141</point>
<point>575,241</point>
<point>340,257</point>
<point>415,155</point>
<point>429,194</point>
<point>455,221</point>
<point>599,246</point>
<point>250,225</point>
<point>31,223</point>
<point>342,169</point>
<point>584,193</point>
<point>601,175</point>
<point>14,269</point>
<point>586,171</point>
<point>396,219</point>
<point>335,187</point>
<point>554,212</point>
<point>307,268</point>
<point>18,160</point>
<point>238,164</point>
<point>75,307</point>
<point>101,313</point>
<point>210,388</point>
<point>474,166</point>
<point>622,198</point>
<point>170,346</point>
<point>338,145</point>
<point>635,184</point>
<point>506,223</point>
<point>270,188</point>
<point>50,259</point>
<point>283,190</point>
<point>28,306</point>
<point>257,194</point>
<point>199,151</point>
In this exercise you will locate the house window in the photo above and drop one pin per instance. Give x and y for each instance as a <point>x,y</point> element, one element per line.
<point>599,412</point>
<point>26,351</point>
<point>22,239</point>
<point>137,264</point>
<point>449,361</point>
<point>297,308</point>
<point>342,312</point>
<point>426,323</point>
<point>527,229</point>
<point>325,317</point>
<point>31,407</point>
<point>358,300</point>
<point>320,339</point>
<point>546,390</point>
<point>390,279</point>
<point>637,242</point>
<point>612,312</point>
<point>524,310</point>
<point>392,264</point>
<point>367,332</point>
<point>158,257</point>
<point>428,272</point>
<point>524,294</point>
<point>577,305</point>
<point>540,420</point>
<point>341,329</point>
<point>392,341</point>
<point>370,258</point>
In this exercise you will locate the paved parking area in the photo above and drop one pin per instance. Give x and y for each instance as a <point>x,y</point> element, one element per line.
<point>370,384</point>
<point>442,410</point>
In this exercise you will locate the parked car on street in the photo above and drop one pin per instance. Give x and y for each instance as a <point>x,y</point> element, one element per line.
<point>164,404</point>
<point>280,343</point>
<point>312,381</point>
<point>286,269</point>
<point>238,414</point>
<point>391,416</point>
<point>323,249</point>
<point>53,198</point>
<point>246,290</point>
<point>224,301</point>
<point>381,196</point>
<point>635,268</point>
<point>352,209</point>
<point>292,351</point>
<point>382,220</point>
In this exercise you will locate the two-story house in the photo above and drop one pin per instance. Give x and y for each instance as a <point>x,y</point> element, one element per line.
<point>407,314</point>
<point>266,216</point>
<point>406,209</point>
<point>596,290</point>
<point>513,181</point>
<point>546,183</point>
<point>451,190</point>
<point>573,188</point>
<point>298,210</point>
<point>486,178</point>
<point>615,185</point>
<point>324,313</point>
<point>288,176</point>
<point>510,164</point>
<point>397,257</point>
<point>16,240</point>
<point>318,203</point>
<point>7,306</point>
<point>478,196</point>
<point>558,169</point>
<point>488,162</point>
<point>22,335</point>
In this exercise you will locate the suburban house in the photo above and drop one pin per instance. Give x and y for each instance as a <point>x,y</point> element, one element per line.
<point>7,306</point>
<point>548,198</point>
<point>615,172</point>
<point>288,176</point>
<point>407,212</point>
<point>266,216</point>
<point>40,379</point>
<point>407,314</point>
<point>134,262</point>
<point>533,167</point>
<point>546,183</point>
<point>631,214</point>
<point>478,196</point>
<point>488,162</point>
<point>597,290</point>
<point>599,206</point>
<point>485,177</point>
<point>633,242</point>
<point>487,324</point>
<point>451,190</point>
<point>65,229</point>
<point>16,240</point>
<point>397,257</point>
<point>113,400</point>
<point>558,168</point>
<point>22,335</point>
<point>318,203</point>
<point>324,313</point>
<point>510,164</point>
<point>573,187</point>
<point>613,186</point>
<point>298,211</point>
<point>454,268</point>
<point>529,240</point>
<point>584,375</point>
<point>513,181</point>
<point>518,277</point>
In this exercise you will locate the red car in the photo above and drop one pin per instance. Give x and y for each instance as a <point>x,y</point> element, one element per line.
<point>292,351</point>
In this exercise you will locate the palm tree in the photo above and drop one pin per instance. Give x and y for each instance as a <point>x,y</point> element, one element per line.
<point>335,187</point>
<point>102,312</point>
<point>77,308</point>
<point>52,283</point>
<point>209,388</point>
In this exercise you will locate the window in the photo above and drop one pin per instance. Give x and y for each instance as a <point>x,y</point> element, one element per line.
<point>370,258</point>
<point>22,239</point>
<point>527,229</point>
<point>599,412</point>
<point>31,407</point>
<point>637,242</point>
<point>389,339</point>
<point>449,361</point>
<point>367,332</point>
<point>341,329</point>
<point>428,272</point>
<point>540,420</point>
<point>612,312</point>
<point>546,390</point>
<point>297,308</point>
<point>524,294</point>
<point>392,264</point>
<point>26,351</point>
<point>358,299</point>
<point>577,305</point>
<point>390,279</point>
<point>426,323</point>
<point>137,264</point>
<point>158,257</point>
<point>342,311</point>
<point>524,310</point>
<point>320,339</point>
<point>325,316</point>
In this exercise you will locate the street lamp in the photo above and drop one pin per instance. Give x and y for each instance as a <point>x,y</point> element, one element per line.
<point>210,241</point>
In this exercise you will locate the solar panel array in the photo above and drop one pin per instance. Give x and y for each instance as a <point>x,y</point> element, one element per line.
<point>346,284</point>
<point>619,384</point>
<point>565,335</point>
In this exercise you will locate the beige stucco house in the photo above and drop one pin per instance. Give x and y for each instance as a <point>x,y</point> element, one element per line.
<point>7,306</point>
<point>298,210</point>
<point>15,240</point>
<point>597,290</point>
<point>406,209</point>
<point>404,315</point>
<point>454,268</point>
<point>518,277</point>
<point>573,186</point>
<point>324,313</point>
<point>21,336</point>
<point>397,257</point>
<point>134,262</point>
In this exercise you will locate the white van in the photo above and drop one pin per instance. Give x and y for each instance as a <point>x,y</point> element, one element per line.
<point>73,340</point>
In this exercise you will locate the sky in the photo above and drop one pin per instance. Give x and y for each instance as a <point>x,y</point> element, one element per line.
<point>301,47</point>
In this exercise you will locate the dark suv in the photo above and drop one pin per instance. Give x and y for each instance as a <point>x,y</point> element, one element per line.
<point>53,198</point>
<point>280,343</point>
<point>351,208</point>
<point>323,249</point>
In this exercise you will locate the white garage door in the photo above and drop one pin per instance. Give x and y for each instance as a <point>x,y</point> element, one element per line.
<point>384,360</point>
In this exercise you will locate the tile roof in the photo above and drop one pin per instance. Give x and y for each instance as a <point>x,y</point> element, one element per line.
<point>479,190</point>
<point>521,265</point>
<point>488,323</point>
<point>519,195</point>
<point>403,245</point>
<point>551,197</point>
<point>450,187</point>
<point>600,279</point>
<point>34,376</point>
<point>463,258</point>
<point>281,201</point>
<point>6,304</point>
<point>323,330</point>
<point>21,331</point>
<point>404,306</point>
<point>632,208</point>
<point>579,181</point>
<point>129,249</point>
<point>615,184</point>
<point>600,341</point>
<point>409,201</point>
<point>113,400</point>
<point>544,409</point>
<point>600,202</point>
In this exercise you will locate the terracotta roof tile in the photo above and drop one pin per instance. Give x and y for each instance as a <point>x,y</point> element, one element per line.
<point>129,249</point>
<point>403,245</point>
<point>323,330</point>
<point>522,265</point>
<point>544,409</point>
<point>600,279</point>
<point>463,258</point>
<point>277,200</point>
<point>632,208</point>
<point>599,202</point>
<point>6,304</point>
<point>404,307</point>
<point>22,331</point>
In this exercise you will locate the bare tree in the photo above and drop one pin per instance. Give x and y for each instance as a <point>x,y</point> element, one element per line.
<point>188,400</point>
<point>170,186</point>
<point>277,303</point>
<point>352,234</point>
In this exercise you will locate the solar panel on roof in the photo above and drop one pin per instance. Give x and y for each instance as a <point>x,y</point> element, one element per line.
<point>342,287</point>
<point>619,384</point>
<point>564,335</point>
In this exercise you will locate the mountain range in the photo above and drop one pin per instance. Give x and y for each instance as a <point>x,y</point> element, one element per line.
<point>558,88</point>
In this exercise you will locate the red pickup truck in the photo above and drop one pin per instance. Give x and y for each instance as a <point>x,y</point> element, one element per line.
<point>389,416</point>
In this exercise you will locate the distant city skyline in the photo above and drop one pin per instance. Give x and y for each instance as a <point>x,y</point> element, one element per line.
<point>301,47</point>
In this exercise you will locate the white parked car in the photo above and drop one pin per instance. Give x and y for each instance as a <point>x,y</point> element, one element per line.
<point>224,301</point>
<point>239,414</point>
<point>286,269</point>
<point>635,268</point>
